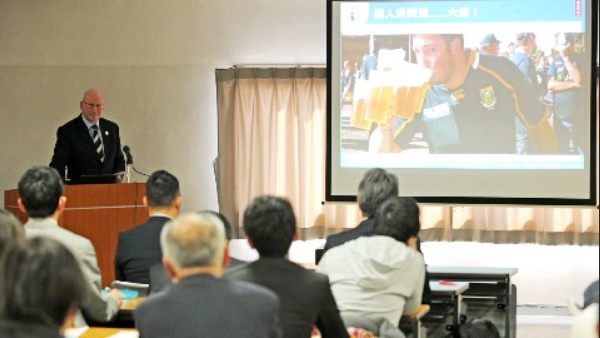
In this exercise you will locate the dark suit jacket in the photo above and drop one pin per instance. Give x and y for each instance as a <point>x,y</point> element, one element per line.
<point>75,149</point>
<point>306,298</point>
<point>138,249</point>
<point>365,228</point>
<point>205,306</point>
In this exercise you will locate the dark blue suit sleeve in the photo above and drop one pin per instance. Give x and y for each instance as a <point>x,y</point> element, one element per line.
<point>119,165</point>
<point>62,151</point>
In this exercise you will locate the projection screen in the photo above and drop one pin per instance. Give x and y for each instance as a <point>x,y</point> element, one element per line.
<point>473,101</point>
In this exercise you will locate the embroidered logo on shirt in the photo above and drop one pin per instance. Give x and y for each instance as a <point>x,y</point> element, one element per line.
<point>488,98</point>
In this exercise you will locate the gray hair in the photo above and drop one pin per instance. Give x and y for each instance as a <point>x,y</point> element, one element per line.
<point>193,240</point>
<point>376,186</point>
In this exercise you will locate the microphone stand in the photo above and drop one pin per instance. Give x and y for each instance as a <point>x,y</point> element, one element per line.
<point>128,173</point>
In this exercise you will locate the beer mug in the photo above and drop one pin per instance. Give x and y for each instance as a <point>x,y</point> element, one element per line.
<point>380,97</point>
<point>410,89</point>
<point>361,92</point>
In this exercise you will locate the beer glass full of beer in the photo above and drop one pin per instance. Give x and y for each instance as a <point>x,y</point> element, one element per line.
<point>410,89</point>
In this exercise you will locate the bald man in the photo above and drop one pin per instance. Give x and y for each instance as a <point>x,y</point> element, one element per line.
<point>88,144</point>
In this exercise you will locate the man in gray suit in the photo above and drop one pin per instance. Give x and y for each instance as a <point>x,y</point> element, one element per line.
<point>40,190</point>
<point>200,303</point>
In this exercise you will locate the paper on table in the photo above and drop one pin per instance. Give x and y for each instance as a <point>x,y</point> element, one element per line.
<point>75,332</point>
<point>126,334</point>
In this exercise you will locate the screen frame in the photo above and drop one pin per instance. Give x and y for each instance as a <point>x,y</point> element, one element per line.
<point>592,198</point>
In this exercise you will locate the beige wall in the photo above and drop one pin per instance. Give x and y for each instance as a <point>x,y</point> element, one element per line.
<point>155,62</point>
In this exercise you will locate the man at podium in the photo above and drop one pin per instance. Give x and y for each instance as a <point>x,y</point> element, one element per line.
<point>88,144</point>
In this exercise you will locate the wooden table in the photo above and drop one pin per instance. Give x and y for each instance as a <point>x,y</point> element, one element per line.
<point>484,282</point>
<point>103,332</point>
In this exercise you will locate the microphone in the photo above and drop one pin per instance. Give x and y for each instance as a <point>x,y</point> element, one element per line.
<point>127,152</point>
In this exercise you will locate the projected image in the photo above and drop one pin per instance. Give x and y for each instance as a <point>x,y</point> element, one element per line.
<point>437,80</point>
<point>466,101</point>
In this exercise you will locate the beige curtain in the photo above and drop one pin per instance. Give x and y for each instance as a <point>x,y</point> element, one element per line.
<point>272,130</point>
<point>272,138</point>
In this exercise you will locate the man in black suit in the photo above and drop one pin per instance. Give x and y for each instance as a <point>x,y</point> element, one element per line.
<point>200,303</point>
<point>228,237</point>
<point>76,152</point>
<point>139,248</point>
<point>306,298</point>
<point>376,186</point>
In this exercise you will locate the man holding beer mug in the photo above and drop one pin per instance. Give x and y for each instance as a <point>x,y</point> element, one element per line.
<point>470,104</point>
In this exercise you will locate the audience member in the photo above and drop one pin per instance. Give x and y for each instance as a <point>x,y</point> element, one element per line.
<point>41,285</point>
<point>369,60</point>
<point>88,144</point>
<point>585,320</point>
<point>489,45</point>
<point>590,295</point>
<point>306,298</point>
<point>228,236</point>
<point>376,186</point>
<point>201,303</point>
<point>11,230</point>
<point>510,49</point>
<point>541,72</point>
<point>526,45</point>
<point>41,199</point>
<point>138,249</point>
<point>159,278</point>
<point>380,276</point>
<point>478,328</point>
<point>566,77</point>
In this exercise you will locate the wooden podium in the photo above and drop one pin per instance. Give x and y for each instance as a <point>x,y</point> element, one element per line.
<point>97,212</point>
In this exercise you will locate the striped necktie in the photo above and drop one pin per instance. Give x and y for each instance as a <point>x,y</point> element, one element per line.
<point>98,143</point>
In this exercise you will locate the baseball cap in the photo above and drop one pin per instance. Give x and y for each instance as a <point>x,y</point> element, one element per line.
<point>488,39</point>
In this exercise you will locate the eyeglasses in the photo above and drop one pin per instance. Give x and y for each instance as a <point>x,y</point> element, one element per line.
<point>92,106</point>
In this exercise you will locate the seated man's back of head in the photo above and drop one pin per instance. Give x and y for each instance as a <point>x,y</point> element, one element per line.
<point>306,298</point>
